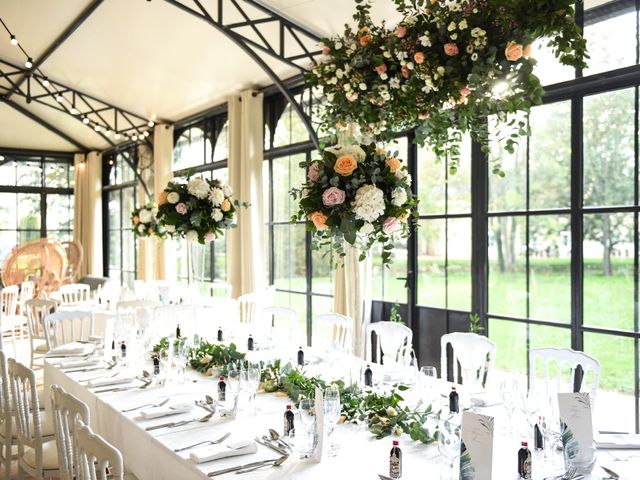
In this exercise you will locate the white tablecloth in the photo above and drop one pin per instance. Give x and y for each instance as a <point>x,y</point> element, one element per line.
<point>150,456</point>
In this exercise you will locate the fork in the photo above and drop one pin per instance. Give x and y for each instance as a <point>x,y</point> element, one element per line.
<point>206,442</point>
<point>160,404</point>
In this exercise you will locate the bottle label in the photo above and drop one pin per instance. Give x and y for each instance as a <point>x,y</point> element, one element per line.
<point>394,466</point>
<point>526,468</point>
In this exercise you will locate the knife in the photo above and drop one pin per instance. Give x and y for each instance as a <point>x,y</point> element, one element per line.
<point>115,389</point>
<point>382,477</point>
<point>241,467</point>
<point>162,425</point>
<point>611,473</point>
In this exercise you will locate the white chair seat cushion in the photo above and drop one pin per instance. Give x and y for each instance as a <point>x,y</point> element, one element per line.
<point>49,456</point>
<point>46,419</point>
<point>41,348</point>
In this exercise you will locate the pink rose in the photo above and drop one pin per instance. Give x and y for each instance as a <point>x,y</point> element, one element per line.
<point>401,31</point>
<point>418,57</point>
<point>333,196</point>
<point>326,51</point>
<point>390,225</point>
<point>405,72</point>
<point>314,172</point>
<point>181,208</point>
<point>209,237</point>
<point>381,68</point>
<point>451,49</point>
<point>465,91</point>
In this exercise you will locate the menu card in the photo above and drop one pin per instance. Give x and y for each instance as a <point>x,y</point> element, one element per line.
<point>476,446</point>
<point>316,456</point>
<point>575,417</point>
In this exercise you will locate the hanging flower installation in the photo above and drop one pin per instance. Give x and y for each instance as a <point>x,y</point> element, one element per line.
<point>197,209</point>
<point>445,69</point>
<point>357,193</point>
<point>145,223</point>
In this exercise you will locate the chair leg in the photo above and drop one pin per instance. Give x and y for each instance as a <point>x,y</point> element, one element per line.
<point>13,340</point>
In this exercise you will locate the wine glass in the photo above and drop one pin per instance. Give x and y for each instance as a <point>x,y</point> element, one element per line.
<point>233,385</point>
<point>331,414</point>
<point>449,446</point>
<point>252,383</point>
<point>428,377</point>
<point>307,412</point>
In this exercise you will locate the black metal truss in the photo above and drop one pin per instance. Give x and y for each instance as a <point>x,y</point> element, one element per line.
<point>294,45</point>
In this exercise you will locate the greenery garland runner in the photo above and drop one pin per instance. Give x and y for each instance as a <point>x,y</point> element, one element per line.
<point>197,209</point>
<point>446,68</point>
<point>383,413</point>
<point>359,194</point>
<point>144,221</point>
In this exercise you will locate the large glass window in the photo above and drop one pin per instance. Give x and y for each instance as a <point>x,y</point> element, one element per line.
<point>36,198</point>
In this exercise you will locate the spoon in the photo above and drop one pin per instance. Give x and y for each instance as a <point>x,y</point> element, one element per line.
<point>275,436</point>
<point>274,463</point>
<point>99,377</point>
<point>164,402</point>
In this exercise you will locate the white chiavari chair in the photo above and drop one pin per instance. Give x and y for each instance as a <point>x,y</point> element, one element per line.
<point>221,290</point>
<point>393,343</point>
<point>8,437</point>
<point>9,320</point>
<point>98,458</point>
<point>473,357</point>
<point>167,317</point>
<point>68,326</point>
<point>37,310</point>
<point>75,294</point>
<point>333,331</point>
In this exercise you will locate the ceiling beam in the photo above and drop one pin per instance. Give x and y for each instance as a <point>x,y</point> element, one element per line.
<point>79,20</point>
<point>45,124</point>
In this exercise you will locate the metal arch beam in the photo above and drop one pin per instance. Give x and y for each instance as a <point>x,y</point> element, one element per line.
<point>251,47</point>
<point>45,124</point>
<point>79,20</point>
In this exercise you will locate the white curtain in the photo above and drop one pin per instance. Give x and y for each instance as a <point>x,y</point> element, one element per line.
<point>87,211</point>
<point>146,246</point>
<point>245,244</point>
<point>165,267</point>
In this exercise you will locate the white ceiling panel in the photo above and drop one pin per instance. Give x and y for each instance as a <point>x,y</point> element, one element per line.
<point>18,131</point>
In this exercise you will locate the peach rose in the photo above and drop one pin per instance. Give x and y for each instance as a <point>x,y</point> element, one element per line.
<point>393,163</point>
<point>319,220</point>
<point>381,68</point>
<point>451,49</point>
<point>162,199</point>
<point>151,231</point>
<point>226,205</point>
<point>326,51</point>
<point>513,51</point>
<point>401,31</point>
<point>345,165</point>
<point>423,115</point>
<point>136,220</point>
<point>405,72</point>
<point>418,57</point>
<point>365,40</point>
<point>527,51</point>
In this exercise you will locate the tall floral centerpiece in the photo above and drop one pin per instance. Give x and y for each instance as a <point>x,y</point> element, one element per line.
<point>359,194</point>
<point>447,68</point>
<point>198,210</point>
<point>144,221</point>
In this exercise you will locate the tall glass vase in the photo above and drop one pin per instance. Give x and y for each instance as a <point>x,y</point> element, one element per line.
<point>195,263</point>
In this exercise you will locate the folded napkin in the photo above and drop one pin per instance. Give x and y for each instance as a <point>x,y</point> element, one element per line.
<point>166,410</point>
<point>619,441</point>
<point>73,348</point>
<point>73,363</point>
<point>485,399</point>
<point>216,452</point>
<point>105,382</point>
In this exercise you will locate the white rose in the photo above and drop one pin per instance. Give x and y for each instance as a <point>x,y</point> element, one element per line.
<point>216,196</point>
<point>226,189</point>
<point>398,196</point>
<point>366,229</point>
<point>198,187</point>
<point>145,216</point>
<point>192,236</point>
<point>173,197</point>
<point>369,203</point>
<point>170,229</point>
<point>356,151</point>
<point>141,228</point>
<point>217,214</point>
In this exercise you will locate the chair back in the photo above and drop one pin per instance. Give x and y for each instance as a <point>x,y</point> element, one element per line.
<point>5,399</point>
<point>9,298</point>
<point>283,323</point>
<point>67,326</point>
<point>108,295</point>
<point>393,341</point>
<point>564,363</point>
<point>75,294</point>
<point>27,289</point>
<point>333,331</point>
<point>221,290</point>
<point>66,409</point>
<point>37,310</point>
<point>26,410</point>
<point>473,356</point>
<point>166,318</point>
<point>249,305</point>
<point>98,458</point>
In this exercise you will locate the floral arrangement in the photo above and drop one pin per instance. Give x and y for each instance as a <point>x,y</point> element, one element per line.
<point>357,193</point>
<point>445,69</point>
<point>197,209</point>
<point>144,221</point>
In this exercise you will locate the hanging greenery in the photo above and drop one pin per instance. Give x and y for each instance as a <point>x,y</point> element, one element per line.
<point>447,68</point>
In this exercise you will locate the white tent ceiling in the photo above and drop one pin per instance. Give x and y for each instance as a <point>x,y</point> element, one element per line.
<point>148,57</point>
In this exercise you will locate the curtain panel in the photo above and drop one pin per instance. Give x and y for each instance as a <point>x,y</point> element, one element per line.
<point>87,218</point>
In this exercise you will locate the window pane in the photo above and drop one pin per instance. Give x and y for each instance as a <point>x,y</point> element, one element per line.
<point>615,405</point>
<point>548,68</point>
<point>189,149</point>
<point>8,173</point>
<point>220,249</point>
<point>286,174</point>
<point>221,150</point>
<point>609,148</point>
<point>8,211</point>
<point>56,174</point>
<point>114,249</point>
<point>59,212</point>
<point>509,192</point>
<point>511,345</point>
<point>29,211</point>
<point>431,263</point>
<point>128,250</point>
<point>27,235</point>
<point>550,156</point>
<point>608,270</point>
<point>7,242</point>
<point>290,129</point>
<point>299,303</point>
<point>459,264</point>
<point>322,281</point>
<point>431,183</point>
<point>114,209</point>
<point>507,275</point>
<point>605,33</point>
<point>550,267</point>
<point>389,283</point>
<point>289,257</point>
<point>29,173</point>
<point>459,184</point>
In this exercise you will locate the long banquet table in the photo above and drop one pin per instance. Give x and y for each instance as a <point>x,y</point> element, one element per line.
<point>150,455</point>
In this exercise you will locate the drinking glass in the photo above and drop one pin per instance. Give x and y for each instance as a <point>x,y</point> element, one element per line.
<point>252,382</point>
<point>307,437</point>
<point>331,414</point>
<point>449,447</point>
<point>233,386</point>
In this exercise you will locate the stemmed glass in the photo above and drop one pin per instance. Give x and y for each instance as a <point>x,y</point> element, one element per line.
<point>428,377</point>
<point>307,411</point>
<point>331,414</point>
<point>252,378</point>
<point>449,446</point>
<point>508,392</point>
<point>233,386</point>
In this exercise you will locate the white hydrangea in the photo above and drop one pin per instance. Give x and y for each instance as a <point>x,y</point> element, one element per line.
<point>366,229</point>
<point>170,228</point>
<point>369,203</point>
<point>173,197</point>
<point>198,187</point>
<point>226,189</point>
<point>217,215</point>
<point>398,196</point>
<point>145,216</point>
<point>192,236</point>
<point>216,196</point>
<point>141,228</point>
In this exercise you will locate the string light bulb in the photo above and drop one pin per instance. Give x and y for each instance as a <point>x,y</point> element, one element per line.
<point>110,162</point>
<point>145,134</point>
<point>97,128</point>
<point>117,136</point>
<point>45,82</point>
<point>1,158</point>
<point>151,123</point>
<point>29,63</point>
<point>74,111</point>
<point>140,137</point>
<point>107,133</point>
<point>59,98</point>
<point>85,120</point>
<point>13,40</point>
